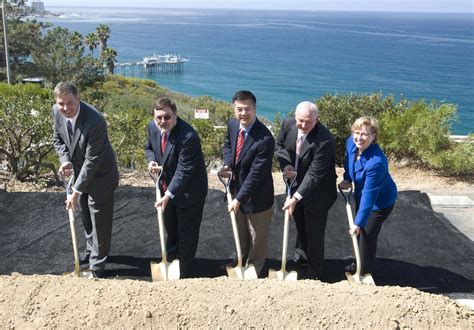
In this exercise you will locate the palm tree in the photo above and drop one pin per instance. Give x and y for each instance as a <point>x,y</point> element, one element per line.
<point>91,41</point>
<point>109,57</point>
<point>76,40</point>
<point>103,34</point>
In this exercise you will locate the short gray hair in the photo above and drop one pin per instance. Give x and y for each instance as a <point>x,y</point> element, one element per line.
<point>309,106</point>
<point>64,88</point>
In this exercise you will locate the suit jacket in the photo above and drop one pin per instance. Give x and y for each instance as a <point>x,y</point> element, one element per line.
<point>253,184</point>
<point>316,173</point>
<point>184,170</point>
<point>89,151</point>
<point>374,188</point>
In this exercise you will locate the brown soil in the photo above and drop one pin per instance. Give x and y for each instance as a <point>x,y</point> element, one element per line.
<point>52,301</point>
<point>65,302</point>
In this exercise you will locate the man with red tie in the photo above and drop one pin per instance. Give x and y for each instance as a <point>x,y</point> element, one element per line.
<point>248,151</point>
<point>174,144</point>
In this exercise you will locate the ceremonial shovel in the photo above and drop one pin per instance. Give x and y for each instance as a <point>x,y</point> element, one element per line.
<point>72,223</point>
<point>240,272</point>
<point>357,277</point>
<point>282,274</point>
<point>164,270</point>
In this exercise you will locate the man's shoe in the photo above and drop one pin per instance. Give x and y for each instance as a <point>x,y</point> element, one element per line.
<point>84,258</point>
<point>223,268</point>
<point>351,268</point>
<point>98,274</point>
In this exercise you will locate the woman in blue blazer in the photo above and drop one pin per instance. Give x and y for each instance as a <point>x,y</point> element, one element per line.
<point>375,192</point>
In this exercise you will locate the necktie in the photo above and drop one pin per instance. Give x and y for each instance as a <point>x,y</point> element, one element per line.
<point>240,143</point>
<point>164,139</point>
<point>69,129</point>
<point>299,143</point>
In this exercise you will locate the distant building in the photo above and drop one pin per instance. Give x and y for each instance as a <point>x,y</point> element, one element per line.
<point>38,6</point>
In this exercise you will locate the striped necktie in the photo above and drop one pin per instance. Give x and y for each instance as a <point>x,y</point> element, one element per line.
<point>240,143</point>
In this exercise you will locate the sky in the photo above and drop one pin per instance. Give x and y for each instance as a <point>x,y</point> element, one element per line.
<point>445,6</point>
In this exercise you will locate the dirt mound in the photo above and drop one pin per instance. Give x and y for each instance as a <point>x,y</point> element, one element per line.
<point>58,301</point>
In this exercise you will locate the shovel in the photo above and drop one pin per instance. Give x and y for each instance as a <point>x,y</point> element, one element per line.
<point>240,272</point>
<point>72,223</point>
<point>282,274</point>
<point>164,270</point>
<point>357,277</point>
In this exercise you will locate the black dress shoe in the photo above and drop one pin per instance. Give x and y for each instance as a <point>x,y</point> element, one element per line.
<point>98,274</point>
<point>84,258</point>
<point>351,268</point>
<point>223,268</point>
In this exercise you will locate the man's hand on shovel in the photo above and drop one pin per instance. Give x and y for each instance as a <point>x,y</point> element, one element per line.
<point>162,202</point>
<point>234,206</point>
<point>66,171</point>
<point>289,173</point>
<point>72,201</point>
<point>290,205</point>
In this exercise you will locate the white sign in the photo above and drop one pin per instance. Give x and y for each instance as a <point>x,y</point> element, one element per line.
<point>201,113</point>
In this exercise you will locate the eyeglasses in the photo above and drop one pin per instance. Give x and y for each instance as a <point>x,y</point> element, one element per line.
<point>361,134</point>
<point>166,118</point>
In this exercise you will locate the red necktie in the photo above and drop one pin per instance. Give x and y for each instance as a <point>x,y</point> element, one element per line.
<point>240,143</point>
<point>164,139</point>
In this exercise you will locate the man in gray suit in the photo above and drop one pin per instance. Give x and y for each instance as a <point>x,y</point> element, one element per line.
<point>81,141</point>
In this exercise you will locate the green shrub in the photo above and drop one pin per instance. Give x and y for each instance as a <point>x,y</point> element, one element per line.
<point>457,160</point>
<point>26,130</point>
<point>338,112</point>
<point>418,132</point>
<point>212,139</point>
<point>127,134</point>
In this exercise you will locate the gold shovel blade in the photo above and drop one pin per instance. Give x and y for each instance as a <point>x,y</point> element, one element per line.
<point>242,273</point>
<point>282,275</point>
<point>360,279</point>
<point>164,271</point>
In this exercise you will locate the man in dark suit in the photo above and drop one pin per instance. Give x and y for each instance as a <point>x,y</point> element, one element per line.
<point>306,148</point>
<point>248,152</point>
<point>81,141</point>
<point>175,145</point>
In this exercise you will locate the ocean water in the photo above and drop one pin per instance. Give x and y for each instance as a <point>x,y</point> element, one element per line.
<point>285,57</point>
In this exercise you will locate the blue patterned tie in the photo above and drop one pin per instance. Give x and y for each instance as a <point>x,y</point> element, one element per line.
<point>69,130</point>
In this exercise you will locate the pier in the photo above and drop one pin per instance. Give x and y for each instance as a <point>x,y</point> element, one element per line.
<point>156,64</point>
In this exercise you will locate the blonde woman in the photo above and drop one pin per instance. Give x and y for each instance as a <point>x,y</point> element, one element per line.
<point>375,192</point>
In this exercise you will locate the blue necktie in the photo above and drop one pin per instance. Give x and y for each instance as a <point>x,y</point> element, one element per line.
<point>69,130</point>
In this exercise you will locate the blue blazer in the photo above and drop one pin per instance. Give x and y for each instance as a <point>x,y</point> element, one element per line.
<point>374,188</point>
<point>253,184</point>
<point>183,164</point>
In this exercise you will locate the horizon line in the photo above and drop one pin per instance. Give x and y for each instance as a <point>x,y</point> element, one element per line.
<point>266,9</point>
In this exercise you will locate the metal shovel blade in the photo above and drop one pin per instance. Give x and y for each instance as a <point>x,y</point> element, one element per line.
<point>282,275</point>
<point>360,279</point>
<point>81,273</point>
<point>164,271</point>
<point>242,273</point>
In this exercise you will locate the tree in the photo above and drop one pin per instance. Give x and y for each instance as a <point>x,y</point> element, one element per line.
<point>91,41</point>
<point>23,36</point>
<point>25,130</point>
<point>103,34</point>
<point>109,57</point>
<point>61,60</point>
<point>76,40</point>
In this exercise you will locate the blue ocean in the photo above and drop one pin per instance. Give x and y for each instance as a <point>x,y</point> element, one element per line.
<point>285,57</point>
